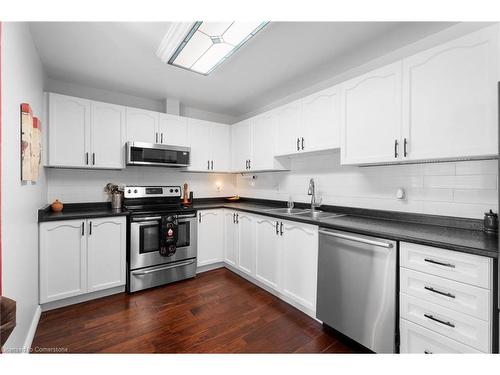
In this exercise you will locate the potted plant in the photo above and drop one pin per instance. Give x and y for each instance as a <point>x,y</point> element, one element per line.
<point>116,193</point>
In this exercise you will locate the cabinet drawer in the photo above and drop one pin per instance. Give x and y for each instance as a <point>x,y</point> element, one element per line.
<point>419,340</point>
<point>457,296</point>
<point>457,326</point>
<point>466,268</point>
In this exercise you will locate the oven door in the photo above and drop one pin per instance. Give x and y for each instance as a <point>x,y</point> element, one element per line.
<point>145,241</point>
<point>139,153</point>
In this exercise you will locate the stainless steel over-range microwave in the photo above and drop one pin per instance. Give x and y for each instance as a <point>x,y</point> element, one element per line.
<point>141,153</point>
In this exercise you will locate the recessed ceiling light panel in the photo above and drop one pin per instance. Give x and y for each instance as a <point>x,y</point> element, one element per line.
<point>207,44</point>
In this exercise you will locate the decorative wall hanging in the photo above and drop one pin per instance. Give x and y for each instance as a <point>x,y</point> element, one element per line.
<point>31,144</point>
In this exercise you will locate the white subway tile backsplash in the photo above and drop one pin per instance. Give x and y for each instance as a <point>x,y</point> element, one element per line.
<point>465,189</point>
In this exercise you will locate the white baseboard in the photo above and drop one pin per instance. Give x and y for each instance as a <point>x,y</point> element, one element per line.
<point>31,332</point>
<point>82,298</point>
<point>209,267</point>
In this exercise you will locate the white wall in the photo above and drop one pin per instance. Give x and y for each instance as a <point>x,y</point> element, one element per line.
<point>22,81</point>
<point>70,185</point>
<point>465,189</point>
<point>66,88</point>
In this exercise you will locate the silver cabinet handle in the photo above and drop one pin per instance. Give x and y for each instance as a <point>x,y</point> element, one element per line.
<point>161,138</point>
<point>199,217</point>
<point>87,158</point>
<point>405,147</point>
<point>249,164</point>
<point>302,143</point>
<point>83,228</point>
<point>386,245</point>
<point>212,165</point>
<point>90,228</point>
<point>93,158</point>
<point>281,228</point>
<point>208,164</point>
<point>446,323</point>
<point>428,260</point>
<point>298,144</point>
<point>237,218</point>
<point>446,294</point>
<point>156,137</point>
<point>396,154</point>
<point>147,272</point>
<point>277,228</point>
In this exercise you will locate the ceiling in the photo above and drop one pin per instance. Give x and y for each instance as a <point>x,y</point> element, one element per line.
<point>285,57</point>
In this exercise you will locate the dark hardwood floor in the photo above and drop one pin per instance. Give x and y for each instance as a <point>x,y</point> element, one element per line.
<point>217,312</point>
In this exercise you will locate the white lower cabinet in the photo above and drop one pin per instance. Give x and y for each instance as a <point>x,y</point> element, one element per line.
<point>280,255</point>
<point>300,262</point>
<point>267,252</point>
<point>75,259</point>
<point>230,238</point>
<point>246,242</point>
<point>445,301</point>
<point>210,237</point>
<point>105,256</point>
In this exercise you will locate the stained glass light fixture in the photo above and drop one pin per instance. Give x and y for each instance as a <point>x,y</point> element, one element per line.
<point>208,44</point>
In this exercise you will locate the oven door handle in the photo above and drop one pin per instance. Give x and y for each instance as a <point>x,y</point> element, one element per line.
<point>147,272</point>
<point>149,218</point>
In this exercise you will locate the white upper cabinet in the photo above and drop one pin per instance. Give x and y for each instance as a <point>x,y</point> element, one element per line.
<point>142,125</point>
<point>287,138</point>
<point>106,247</point>
<point>371,116</point>
<point>172,130</point>
<point>69,119</point>
<point>320,121</point>
<point>450,98</point>
<point>210,144</point>
<point>241,145</point>
<point>107,135</point>
<point>220,141</point>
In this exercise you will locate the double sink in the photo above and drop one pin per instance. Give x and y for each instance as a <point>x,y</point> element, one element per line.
<point>304,213</point>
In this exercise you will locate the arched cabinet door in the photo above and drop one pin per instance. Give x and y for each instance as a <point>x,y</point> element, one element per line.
<point>230,238</point>
<point>300,263</point>
<point>450,98</point>
<point>142,125</point>
<point>210,237</point>
<point>267,251</point>
<point>63,260</point>
<point>246,243</point>
<point>106,246</point>
<point>371,116</point>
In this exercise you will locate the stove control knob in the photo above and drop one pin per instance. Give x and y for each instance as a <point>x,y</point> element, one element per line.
<point>171,190</point>
<point>176,190</point>
<point>129,191</point>
<point>135,190</point>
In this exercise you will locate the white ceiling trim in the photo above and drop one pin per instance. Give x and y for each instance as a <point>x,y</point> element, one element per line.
<point>173,37</point>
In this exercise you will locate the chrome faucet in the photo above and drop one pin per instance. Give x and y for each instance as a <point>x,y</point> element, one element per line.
<point>312,193</point>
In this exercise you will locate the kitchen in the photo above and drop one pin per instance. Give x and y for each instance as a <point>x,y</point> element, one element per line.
<point>352,211</point>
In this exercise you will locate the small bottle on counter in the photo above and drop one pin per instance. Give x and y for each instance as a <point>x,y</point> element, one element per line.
<point>490,222</point>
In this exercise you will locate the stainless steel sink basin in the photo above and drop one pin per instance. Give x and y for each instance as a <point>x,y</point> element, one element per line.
<point>288,211</point>
<point>318,214</point>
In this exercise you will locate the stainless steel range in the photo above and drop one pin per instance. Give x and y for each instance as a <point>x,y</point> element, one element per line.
<point>150,208</point>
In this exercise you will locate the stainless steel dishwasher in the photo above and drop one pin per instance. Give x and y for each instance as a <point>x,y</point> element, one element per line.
<point>357,287</point>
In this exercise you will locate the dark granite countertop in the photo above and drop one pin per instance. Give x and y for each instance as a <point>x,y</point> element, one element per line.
<point>467,239</point>
<point>464,235</point>
<point>73,211</point>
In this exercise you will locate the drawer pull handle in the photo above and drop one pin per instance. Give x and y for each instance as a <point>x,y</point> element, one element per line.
<point>431,289</point>
<point>449,324</point>
<point>439,263</point>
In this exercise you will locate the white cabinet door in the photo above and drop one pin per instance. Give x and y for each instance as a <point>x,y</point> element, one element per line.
<point>263,142</point>
<point>172,130</point>
<point>199,133</point>
<point>106,247</point>
<point>300,263</point>
<point>230,238</point>
<point>220,142</point>
<point>69,118</point>
<point>267,251</point>
<point>371,116</point>
<point>210,237</point>
<point>451,98</point>
<point>287,139</point>
<point>241,144</point>
<point>142,125</point>
<point>63,260</point>
<point>107,135</point>
<point>320,124</point>
<point>246,242</point>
